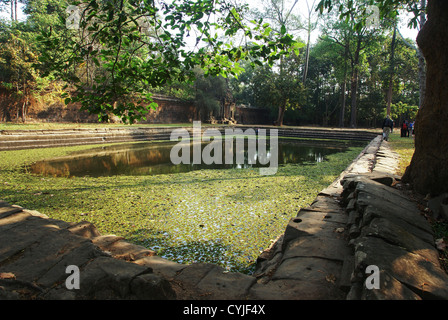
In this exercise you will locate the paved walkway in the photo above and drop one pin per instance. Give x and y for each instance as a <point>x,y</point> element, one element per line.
<point>359,220</point>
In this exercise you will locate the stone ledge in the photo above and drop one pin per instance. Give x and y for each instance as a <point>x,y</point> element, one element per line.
<point>378,225</point>
<point>386,229</point>
<point>36,250</point>
<point>314,246</point>
<point>25,139</point>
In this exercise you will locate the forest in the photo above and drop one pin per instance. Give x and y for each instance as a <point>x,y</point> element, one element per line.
<point>352,75</point>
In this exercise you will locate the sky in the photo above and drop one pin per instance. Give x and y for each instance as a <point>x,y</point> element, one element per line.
<point>301,8</point>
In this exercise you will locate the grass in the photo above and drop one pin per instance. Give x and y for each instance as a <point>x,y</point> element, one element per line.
<point>404,147</point>
<point>225,217</point>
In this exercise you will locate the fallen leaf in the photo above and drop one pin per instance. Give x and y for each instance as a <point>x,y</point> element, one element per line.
<point>440,244</point>
<point>331,278</point>
<point>7,275</point>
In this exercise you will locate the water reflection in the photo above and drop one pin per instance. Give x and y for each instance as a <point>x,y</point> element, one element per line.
<point>150,158</point>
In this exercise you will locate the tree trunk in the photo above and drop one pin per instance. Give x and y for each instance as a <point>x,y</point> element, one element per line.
<point>354,90</point>
<point>344,87</point>
<point>428,171</point>
<point>391,74</point>
<point>354,85</point>
<point>281,113</point>
<point>25,107</point>
<point>342,113</point>
<point>421,76</point>
<point>24,112</point>
<point>421,59</point>
<point>307,54</point>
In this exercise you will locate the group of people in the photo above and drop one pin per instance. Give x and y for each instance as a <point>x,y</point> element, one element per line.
<point>407,128</point>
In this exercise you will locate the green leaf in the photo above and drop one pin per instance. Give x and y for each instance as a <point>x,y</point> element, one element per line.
<point>153,105</point>
<point>283,30</point>
<point>95,60</point>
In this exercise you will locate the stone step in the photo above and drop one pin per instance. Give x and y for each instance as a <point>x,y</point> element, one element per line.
<point>23,139</point>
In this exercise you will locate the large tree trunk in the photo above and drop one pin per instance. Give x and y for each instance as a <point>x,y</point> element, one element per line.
<point>421,76</point>
<point>428,171</point>
<point>421,59</point>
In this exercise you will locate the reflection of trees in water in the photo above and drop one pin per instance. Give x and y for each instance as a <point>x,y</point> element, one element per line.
<point>116,163</point>
<point>149,159</point>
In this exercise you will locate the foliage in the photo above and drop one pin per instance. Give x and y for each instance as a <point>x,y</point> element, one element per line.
<point>209,93</point>
<point>137,45</point>
<point>113,65</point>
<point>18,74</point>
<point>17,60</point>
<point>387,8</point>
<point>21,72</point>
<point>401,111</point>
<point>262,86</point>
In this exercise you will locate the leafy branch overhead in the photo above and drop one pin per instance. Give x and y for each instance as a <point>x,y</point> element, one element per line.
<point>387,8</point>
<point>123,48</point>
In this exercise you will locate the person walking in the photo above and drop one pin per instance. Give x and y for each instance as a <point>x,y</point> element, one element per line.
<point>410,129</point>
<point>388,127</point>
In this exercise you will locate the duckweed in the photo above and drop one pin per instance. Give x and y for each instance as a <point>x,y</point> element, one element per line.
<point>225,217</point>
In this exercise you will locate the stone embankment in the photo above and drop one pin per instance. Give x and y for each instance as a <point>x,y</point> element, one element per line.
<point>24,139</point>
<point>360,220</point>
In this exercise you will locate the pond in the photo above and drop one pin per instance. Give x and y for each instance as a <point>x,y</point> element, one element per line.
<point>186,213</point>
<point>150,158</point>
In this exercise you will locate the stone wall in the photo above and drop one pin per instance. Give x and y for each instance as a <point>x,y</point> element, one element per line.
<point>386,230</point>
<point>169,110</point>
<point>389,230</point>
<point>361,220</point>
<point>245,116</point>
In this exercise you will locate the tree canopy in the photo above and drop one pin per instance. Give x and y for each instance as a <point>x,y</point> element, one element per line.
<point>123,47</point>
<point>122,52</point>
